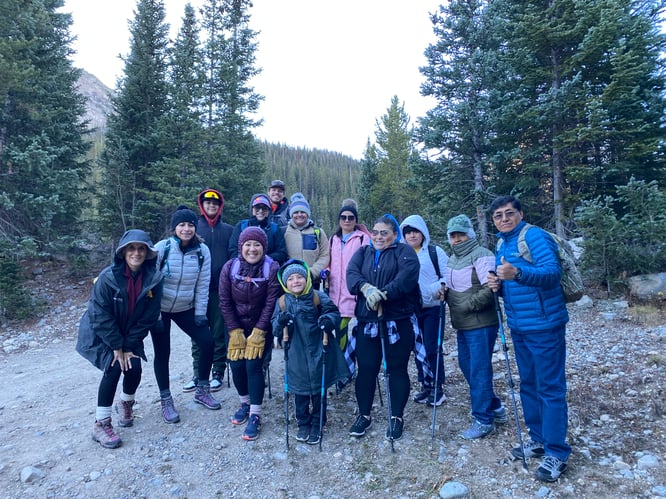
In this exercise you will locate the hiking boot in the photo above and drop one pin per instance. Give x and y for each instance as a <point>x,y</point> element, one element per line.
<point>478,430</point>
<point>500,415</point>
<point>303,433</point>
<point>241,415</point>
<point>532,449</point>
<point>253,428</point>
<point>551,468</point>
<point>203,397</point>
<point>191,385</point>
<point>169,411</point>
<point>421,397</point>
<point>440,397</point>
<point>104,434</point>
<point>394,432</point>
<point>216,382</point>
<point>314,437</point>
<point>125,414</point>
<point>360,426</point>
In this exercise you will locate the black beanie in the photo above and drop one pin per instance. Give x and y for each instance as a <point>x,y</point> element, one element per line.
<point>183,214</point>
<point>349,208</point>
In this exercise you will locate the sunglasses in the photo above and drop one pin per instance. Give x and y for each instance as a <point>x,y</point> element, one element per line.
<point>382,233</point>
<point>347,218</point>
<point>260,207</point>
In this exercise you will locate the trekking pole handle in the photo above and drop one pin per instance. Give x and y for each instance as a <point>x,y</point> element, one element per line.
<point>285,331</point>
<point>324,337</point>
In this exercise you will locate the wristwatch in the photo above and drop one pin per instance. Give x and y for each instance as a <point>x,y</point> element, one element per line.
<point>518,275</point>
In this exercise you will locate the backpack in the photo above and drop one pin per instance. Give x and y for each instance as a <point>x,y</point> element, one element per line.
<point>432,251</point>
<point>265,270</point>
<point>167,248</point>
<point>572,280</point>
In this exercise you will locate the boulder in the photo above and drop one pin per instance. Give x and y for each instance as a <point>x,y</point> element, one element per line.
<point>648,289</point>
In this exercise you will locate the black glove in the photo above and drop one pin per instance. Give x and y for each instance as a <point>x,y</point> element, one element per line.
<point>284,318</point>
<point>200,320</point>
<point>326,323</point>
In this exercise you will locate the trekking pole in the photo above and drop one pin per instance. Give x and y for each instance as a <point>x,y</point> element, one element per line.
<point>382,339</point>
<point>440,333</point>
<point>285,343</point>
<point>505,348</point>
<point>379,391</point>
<point>324,343</point>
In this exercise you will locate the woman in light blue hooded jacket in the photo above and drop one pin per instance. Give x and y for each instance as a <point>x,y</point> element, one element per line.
<point>431,283</point>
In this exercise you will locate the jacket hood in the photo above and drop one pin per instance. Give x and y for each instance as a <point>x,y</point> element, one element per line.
<point>417,222</point>
<point>135,236</point>
<point>215,195</point>
<point>294,261</point>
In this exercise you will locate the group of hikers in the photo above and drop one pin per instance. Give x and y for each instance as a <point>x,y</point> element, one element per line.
<point>341,309</point>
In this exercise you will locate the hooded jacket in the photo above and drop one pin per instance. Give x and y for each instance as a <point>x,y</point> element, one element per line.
<point>536,302</point>
<point>277,248</point>
<point>306,353</point>
<point>216,234</point>
<point>341,255</point>
<point>106,326</point>
<point>429,282</point>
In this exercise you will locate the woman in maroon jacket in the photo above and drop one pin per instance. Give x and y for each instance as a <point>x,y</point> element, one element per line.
<point>248,291</point>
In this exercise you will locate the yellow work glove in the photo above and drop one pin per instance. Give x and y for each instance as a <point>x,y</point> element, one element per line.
<point>236,346</point>
<point>255,344</point>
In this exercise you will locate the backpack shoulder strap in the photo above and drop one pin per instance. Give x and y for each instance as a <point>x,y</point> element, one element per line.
<point>244,224</point>
<point>432,251</point>
<point>316,299</point>
<point>523,249</point>
<point>283,305</point>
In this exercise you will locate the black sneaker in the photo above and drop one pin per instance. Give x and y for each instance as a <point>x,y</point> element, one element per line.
<point>394,432</point>
<point>216,382</point>
<point>421,397</point>
<point>551,468</point>
<point>314,437</point>
<point>303,433</point>
<point>532,449</point>
<point>360,426</point>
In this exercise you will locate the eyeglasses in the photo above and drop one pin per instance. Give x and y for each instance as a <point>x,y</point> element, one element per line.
<point>347,218</point>
<point>502,215</point>
<point>382,233</point>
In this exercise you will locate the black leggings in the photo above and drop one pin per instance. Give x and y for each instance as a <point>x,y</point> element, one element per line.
<point>162,345</point>
<point>369,358</point>
<point>109,383</point>
<point>249,374</point>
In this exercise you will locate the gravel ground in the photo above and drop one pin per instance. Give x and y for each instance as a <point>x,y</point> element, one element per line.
<point>616,372</point>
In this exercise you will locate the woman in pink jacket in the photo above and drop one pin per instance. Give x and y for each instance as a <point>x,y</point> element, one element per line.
<point>349,237</point>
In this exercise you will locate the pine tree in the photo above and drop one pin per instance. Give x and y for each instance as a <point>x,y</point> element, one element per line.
<point>133,143</point>
<point>42,147</point>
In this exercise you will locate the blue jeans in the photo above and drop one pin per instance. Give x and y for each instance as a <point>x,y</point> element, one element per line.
<point>475,353</point>
<point>428,320</point>
<point>541,358</point>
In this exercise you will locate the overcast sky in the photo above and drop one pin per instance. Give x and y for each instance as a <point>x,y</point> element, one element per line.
<point>329,69</point>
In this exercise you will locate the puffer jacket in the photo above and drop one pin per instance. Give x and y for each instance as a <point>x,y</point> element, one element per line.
<point>246,303</point>
<point>536,302</point>
<point>396,273</point>
<point>185,285</point>
<point>341,255</point>
<point>429,282</point>
<point>471,303</point>
<point>105,326</point>
<point>306,354</point>
<point>303,244</point>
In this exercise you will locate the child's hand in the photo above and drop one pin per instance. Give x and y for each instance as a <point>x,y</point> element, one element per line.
<point>284,318</point>
<point>326,324</point>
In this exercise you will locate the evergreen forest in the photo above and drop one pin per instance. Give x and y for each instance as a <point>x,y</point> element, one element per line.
<point>561,103</point>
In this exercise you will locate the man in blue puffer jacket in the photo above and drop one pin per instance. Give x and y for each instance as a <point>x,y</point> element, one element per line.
<point>537,316</point>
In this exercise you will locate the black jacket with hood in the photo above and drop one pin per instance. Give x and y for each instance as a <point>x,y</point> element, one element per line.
<point>106,326</point>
